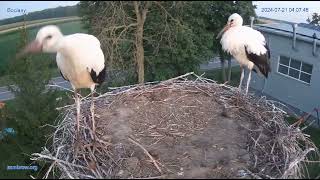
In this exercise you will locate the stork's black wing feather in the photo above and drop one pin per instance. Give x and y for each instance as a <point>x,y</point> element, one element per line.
<point>261,61</point>
<point>100,77</point>
<point>268,50</point>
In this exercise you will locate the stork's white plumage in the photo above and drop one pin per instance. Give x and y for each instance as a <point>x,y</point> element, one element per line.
<point>79,58</point>
<point>247,46</point>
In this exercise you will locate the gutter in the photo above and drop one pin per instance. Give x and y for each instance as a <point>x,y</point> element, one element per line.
<point>294,26</point>
<point>251,21</point>
<point>286,34</point>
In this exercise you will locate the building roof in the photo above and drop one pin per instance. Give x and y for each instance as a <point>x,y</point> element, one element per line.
<point>271,20</point>
<point>287,29</point>
<point>309,26</point>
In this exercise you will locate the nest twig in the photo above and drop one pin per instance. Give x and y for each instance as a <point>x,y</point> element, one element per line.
<point>277,150</point>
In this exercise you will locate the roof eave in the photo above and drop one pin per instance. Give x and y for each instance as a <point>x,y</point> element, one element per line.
<point>286,34</point>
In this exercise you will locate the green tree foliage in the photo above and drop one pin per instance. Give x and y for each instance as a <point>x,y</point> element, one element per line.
<point>315,20</point>
<point>30,113</point>
<point>34,105</point>
<point>175,38</point>
<point>219,11</point>
<point>178,35</point>
<point>87,10</point>
<point>184,42</point>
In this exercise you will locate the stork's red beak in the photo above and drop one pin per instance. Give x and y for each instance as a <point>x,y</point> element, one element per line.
<point>33,47</point>
<point>225,28</point>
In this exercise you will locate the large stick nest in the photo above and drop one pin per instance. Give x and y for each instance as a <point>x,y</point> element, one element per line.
<point>185,127</point>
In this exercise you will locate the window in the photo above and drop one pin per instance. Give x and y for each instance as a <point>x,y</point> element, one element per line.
<point>295,69</point>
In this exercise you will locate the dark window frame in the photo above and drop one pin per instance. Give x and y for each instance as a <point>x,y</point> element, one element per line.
<point>289,67</point>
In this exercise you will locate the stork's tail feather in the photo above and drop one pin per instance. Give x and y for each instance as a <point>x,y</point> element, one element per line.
<point>261,61</point>
<point>265,69</point>
<point>101,76</point>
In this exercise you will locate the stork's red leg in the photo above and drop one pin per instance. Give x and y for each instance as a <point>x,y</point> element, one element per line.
<point>77,102</point>
<point>78,113</point>
<point>92,115</point>
<point>248,81</point>
<point>241,78</point>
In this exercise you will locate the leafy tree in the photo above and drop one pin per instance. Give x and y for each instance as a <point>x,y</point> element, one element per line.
<point>175,38</point>
<point>34,105</point>
<point>315,20</point>
<point>29,113</point>
<point>184,42</point>
<point>218,16</point>
<point>177,35</point>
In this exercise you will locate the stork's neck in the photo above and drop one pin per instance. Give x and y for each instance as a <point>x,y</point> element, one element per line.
<point>236,26</point>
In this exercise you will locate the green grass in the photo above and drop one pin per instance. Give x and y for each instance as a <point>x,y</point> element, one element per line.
<point>12,27</point>
<point>9,42</point>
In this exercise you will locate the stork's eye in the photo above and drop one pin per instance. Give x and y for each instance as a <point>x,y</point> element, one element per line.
<point>49,37</point>
<point>231,20</point>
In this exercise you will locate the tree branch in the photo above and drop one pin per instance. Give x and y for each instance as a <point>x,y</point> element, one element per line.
<point>145,10</point>
<point>164,9</point>
<point>136,8</point>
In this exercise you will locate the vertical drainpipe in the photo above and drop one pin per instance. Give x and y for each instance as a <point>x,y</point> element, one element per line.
<point>251,21</point>
<point>294,26</point>
<point>314,44</point>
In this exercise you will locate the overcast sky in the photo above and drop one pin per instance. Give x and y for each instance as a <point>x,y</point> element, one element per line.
<point>29,6</point>
<point>311,6</point>
<point>296,16</point>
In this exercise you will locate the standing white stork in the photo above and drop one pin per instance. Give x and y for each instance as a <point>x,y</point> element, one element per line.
<point>247,46</point>
<point>79,58</point>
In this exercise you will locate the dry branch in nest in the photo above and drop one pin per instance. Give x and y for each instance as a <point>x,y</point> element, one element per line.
<point>188,126</point>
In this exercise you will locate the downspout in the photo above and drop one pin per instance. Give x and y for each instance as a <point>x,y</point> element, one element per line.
<point>294,26</point>
<point>251,21</point>
<point>314,44</point>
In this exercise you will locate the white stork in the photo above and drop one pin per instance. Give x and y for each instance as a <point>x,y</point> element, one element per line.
<point>79,58</point>
<point>247,46</point>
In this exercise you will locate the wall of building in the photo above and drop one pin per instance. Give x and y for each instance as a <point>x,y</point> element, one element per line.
<point>291,91</point>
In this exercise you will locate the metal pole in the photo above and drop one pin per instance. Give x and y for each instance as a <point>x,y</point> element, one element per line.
<point>251,21</point>
<point>314,44</point>
<point>294,26</point>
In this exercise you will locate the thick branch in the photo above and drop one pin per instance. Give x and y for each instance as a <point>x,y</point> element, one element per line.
<point>113,28</point>
<point>136,8</point>
<point>119,27</point>
<point>145,10</point>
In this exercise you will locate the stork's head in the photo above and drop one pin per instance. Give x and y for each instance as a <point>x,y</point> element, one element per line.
<point>47,40</point>
<point>234,20</point>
